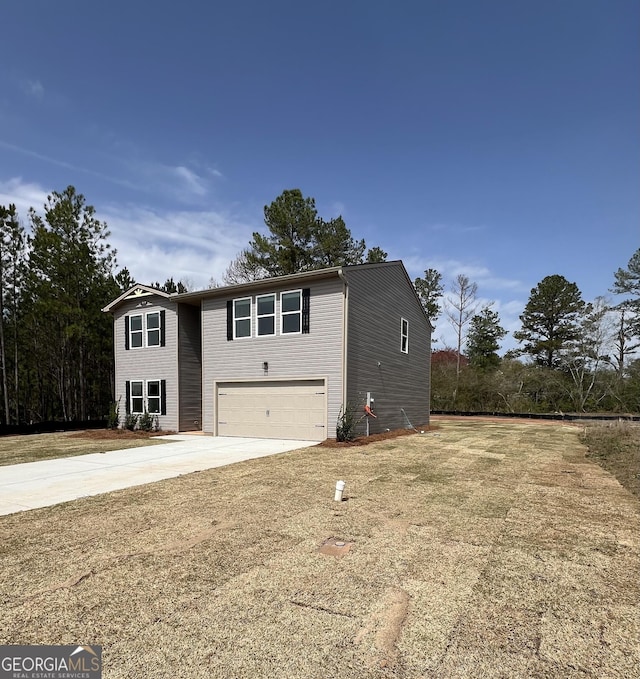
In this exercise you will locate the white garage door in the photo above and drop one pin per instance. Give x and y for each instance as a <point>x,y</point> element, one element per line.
<point>295,409</point>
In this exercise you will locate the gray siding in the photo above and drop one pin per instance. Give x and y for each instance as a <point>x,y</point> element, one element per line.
<point>148,363</point>
<point>190,368</point>
<point>378,297</point>
<point>317,354</point>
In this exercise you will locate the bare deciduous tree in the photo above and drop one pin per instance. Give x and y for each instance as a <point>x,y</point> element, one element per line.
<point>460,306</point>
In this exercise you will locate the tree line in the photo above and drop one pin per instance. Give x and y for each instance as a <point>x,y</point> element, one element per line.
<point>59,271</point>
<point>572,355</point>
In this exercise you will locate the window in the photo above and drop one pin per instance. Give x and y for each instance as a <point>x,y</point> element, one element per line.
<point>149,396</point>
<point>242,317</point>
<point>153,397</point>
<point>404,336</point>
<point>135,326</point>
<point>137,397</point>
<point>266,314</point>
<point>294,315</point>
<point>144,330</point>
<point>291,312</point>
<point>153,329</point>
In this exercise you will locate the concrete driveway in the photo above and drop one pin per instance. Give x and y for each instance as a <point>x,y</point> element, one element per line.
<point>41,484</point>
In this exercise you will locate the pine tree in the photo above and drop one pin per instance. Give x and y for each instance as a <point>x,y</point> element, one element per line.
<point>69,281</point>
<point>12,262</point>
<point>298,240</point>
<point>551,319</point>
<point>430,290</point>
<point>483,339</point>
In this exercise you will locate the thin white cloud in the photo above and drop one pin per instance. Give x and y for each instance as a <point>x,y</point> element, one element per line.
<point>180,182</point>
<point>64,164</point>
<point>451,268</point>
<point>191,180</point>
<point>34,89</point>
<point>23,195</point>
<point>156,245</point>
<point>501,289</point>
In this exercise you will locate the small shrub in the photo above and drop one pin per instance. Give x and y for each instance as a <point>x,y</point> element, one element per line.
<point>146,421</point>
<point>346,424</point>
<point>130,421</point>
<point>113,420</point>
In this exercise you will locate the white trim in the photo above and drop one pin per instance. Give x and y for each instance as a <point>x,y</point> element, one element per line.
<point>140,332</point>
<point>271,315</point>
<point>145,396</point>
<point>243,318</point>
<point>159,397</point>
<point>290,313</point>
<point>147,330</point>
<point>131,396</point>
<point>135,292</point>
<point>404,335</point>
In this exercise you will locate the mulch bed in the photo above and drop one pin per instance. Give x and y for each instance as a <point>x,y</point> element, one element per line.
<point>372,438</point>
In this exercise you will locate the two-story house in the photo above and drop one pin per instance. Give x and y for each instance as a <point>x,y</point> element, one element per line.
<point>277,358</point>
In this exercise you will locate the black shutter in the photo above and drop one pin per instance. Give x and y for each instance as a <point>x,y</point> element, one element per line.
<point>229,320</point>
<point>163,397</point>
<point>306,295</point>
<point>126,333</point>
<point>162,328</point>
<point>128,400</point>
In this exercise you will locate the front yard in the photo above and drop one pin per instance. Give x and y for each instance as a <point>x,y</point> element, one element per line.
<point>35,447</point>
<point>478,549</point>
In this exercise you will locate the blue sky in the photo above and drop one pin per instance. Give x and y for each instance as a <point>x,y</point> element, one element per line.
<point>500,139</point>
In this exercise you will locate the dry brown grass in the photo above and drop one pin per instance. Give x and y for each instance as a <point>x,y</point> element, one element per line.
<point>616,447</point>
<point>34,447</point>
<point>479,550</point>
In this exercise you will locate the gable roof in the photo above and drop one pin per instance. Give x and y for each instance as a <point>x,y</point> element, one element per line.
<point>138,291</point>
<point>195,297</point>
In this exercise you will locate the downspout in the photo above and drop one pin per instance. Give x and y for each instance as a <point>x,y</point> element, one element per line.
<point>345,325</point>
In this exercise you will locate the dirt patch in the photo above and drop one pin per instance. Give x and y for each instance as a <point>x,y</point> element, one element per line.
<point>385,624</point>
<point>335,547</point>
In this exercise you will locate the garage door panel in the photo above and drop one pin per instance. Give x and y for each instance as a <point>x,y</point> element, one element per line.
<point>290,409</point>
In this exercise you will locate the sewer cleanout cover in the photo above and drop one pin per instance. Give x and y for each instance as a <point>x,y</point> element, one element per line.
<point>335,547</point>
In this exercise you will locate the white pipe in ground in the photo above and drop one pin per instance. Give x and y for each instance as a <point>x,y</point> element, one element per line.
<point>339,490</point>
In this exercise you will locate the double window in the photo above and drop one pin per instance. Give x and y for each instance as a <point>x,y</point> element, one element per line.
<point>258,317</point>
<point>144,330</point>
<point>146,396</point>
